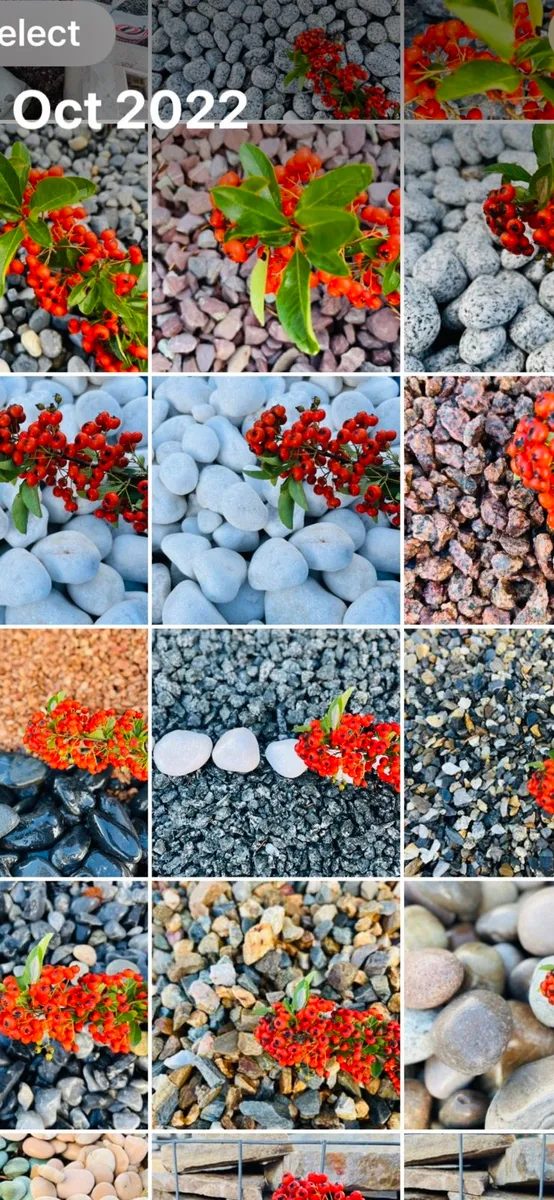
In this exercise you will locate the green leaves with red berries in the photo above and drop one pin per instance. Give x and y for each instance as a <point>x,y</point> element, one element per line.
<point>538,186</point>
<point>320,230</point>
<point>493,22</point>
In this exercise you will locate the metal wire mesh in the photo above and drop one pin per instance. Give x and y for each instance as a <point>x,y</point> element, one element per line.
<point>542,1136</point>
<point>324,1146</point>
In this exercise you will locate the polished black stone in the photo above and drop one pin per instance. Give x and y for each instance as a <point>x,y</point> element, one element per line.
<point>74,795</point>
<point>22,771</point>
<point>35,868</point>
<point>113,839</point>
<point>101,866</point>
<point>116,811</point>
<point>38,831</point>
<point>70,850</point>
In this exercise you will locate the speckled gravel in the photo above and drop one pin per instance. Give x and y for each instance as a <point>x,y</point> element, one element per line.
<point>201,313</point>
<point>479,709</point>
<point>270,681</point>
<point>220,948</point>
<point>477,549</point>
<point>118,162</point>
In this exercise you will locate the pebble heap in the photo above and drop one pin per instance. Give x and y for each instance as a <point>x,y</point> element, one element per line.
<point>92,572</point>
<point>469,304</point>
<point>201,312</point>
<point>268,682</point>
<point>477,549</point>
<point>103,925</point>
<point>246,46</point>
<point>478,711</point>
<point>63,1165</point>
<point>223,555</point>
<point>495,1164</point>
<point>220,948</point>
<point>478,1031</point>
<point>31,340</point>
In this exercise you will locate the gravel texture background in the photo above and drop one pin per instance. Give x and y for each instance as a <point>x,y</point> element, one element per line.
<point>215,45</point>
<point>31,340</point>
<point>477,549</point>
<point>469,305</point>
<point>478,710</point>
<point>270,681</point>
<point>201,314</point>
<point>219,948</point>
<point>92,1088</point>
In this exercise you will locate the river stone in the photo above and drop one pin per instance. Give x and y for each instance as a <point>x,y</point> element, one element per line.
<point>461,898</point>
<point>536,922</point>
<point>488,302</point>
<point>417,1105</point>
<point>283,758</point>
<point>308,604</point>
<point>483,967</point>
<point>542,1007</point>
<point>277,564</point>
<point>520,978</point>
<point>220,573</point>
<point>530,1040</point>
<point>442,1081</point>
<point>23,578</point>
<point>417,1029</point>
<point>464,1110</point>
<point>422,929</point>
<point>422,319</point>
<point>473,1031</point>
<point>527,1100</point>
<point>325,547</point>
<point>431,977</point>
<point>69,557</point>
<point>243,508</point>
<point>237,750</point>
<point>495,892</point>
<point>181,752</point>
<point>499,924</point>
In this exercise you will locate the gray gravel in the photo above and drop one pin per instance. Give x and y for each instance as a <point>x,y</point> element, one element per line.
<point>270,681</point>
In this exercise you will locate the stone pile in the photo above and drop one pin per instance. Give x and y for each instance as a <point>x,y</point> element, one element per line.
<point>102,1166</point>
<point>496,1166</point>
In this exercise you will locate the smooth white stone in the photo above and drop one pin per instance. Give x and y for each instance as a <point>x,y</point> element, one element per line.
<point>283,758</point>
<point>181,752</point>
<point>237,750</point>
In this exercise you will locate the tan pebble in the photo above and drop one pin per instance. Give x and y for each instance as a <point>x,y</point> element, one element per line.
<point>102,1173</point>
<point>76,1180</point>
<point>59,1145</point>
<point>101,1190</point>
<point>41,1187</point>
<point>136,1148</point>
<point>128,1186</point>
<point>17,1137</point>
<point>48,1171</point>
<point>58,1164</point>
<point>86,1139</point>
<point>102,1156</point>
<point>85,954</point>
<point>79,1196</point>
<point>117,1138</point>
<point>121,1159</point>
<point>36,1148</point>
<point>74,1152</point>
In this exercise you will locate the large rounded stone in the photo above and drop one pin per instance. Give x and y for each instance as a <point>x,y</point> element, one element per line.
<point>536,922</point>
<point>529,1041</point>
<point>23,579</point>
<point>181,752</point>
<point>431,977</point>
<point>527,1100</point>
<point>422,929</point>
<point>499,924</point>
<point>473,1031</point>
<point>417,1105</point>
<point>308,604</point>
<point>283,758</point>
<point>69,557</point>
<point>220,574</point>
<point>461,897</point>
<point>417,1028</point>
<point>277,564</point>
<point>442,1081</point>
<point>237,750</point>
<point>464,1110</point>
<point>483,967</point>
<point>325,547</point>
<point>243,508</point>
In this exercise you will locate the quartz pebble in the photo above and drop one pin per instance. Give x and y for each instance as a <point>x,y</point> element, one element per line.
<point>237,750</point>
<point>283,758</point>
<point>181,752</point>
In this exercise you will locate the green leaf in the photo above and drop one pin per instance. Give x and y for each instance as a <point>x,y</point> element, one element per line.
<point>88,304</point>
<point>78,293</point>
<point>257,282</point>
<point>285,507</point>
<point>336,188</point>
<point>325,260</point>
<point>543,143</point>
<point>255,214</point>
<point>298,494</point>
<point>492,23</point>
<point>546,86</point>
<point>9,244</point>
<point>255,162</point>
<point>20,513</point>
<point>83,187</point>
<point>547,967</point>
<point>260,1010</point>
<point>376,1068</point>
<point>38,230</point>
<point>480,76</point>
<point>34,963</point>
<point>333,227</point>
<point>55,700</point>
<point>299,73</point>
<point>336,710</point>
<point>541,184</point>
<point>21,162</point>
<point>31,499</point>
<point>51,194</point>
<point>301,993</point>
<point>527,49</point>
<point>536,12</point>
<point>293,304</point>
<point>391,279</point>
<point>10,183</point>
<point>258,474</point>
<point>508,171</point>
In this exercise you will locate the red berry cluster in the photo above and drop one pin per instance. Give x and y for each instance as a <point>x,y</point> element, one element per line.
<point>444,47</point>
<point>350,462</point>
<point>83,466</point>
<point>313,1187</point>
<point>503,218</point>
<point>547,987</point>
<point>68,735</point>
<point>541,785</point>
<point>363,287</point>
<point>99,256</point>
<point>322,1033</point>
<point>343,89</point>
<point>351,751</point>
<point>61,1004</point>
<point>531,452</point>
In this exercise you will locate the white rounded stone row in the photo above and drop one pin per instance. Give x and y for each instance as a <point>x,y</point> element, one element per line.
<point>184,751</point>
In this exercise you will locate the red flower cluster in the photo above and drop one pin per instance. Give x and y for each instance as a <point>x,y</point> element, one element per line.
<point>346,748</point>
<point>68,735</point>
<point>83,466</point>
<point>343,89</point>
<point>531,452</point>
<point>99,256</point>
<point>547,986</point>
<point>321,1033</point>
<point>60,1004</point>
<point>351,462</point>
<point>541,785</point>
<point>444,47</point>
<point>313,1187</point>
<point>363,287</point>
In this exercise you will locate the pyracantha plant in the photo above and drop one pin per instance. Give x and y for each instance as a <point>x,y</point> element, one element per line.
<point>541,783</point>
<point>347,748</point>
<point>343,87</point>
<point>531,451</point>
<point>521,211</point>
<point>315,1186</point>
<point>67,734</point>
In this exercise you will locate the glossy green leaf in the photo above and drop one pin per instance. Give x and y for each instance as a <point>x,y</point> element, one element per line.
<point>88,304</point>
<point>31,499</point>
<point>77,294</point>
<point>252,211</point>
<point>301,993</point>
<point>325,260</point>
<point>20,160</point>
<point>477,77</point>
<point>255,162</point>
<point>391,279</point>
<point>257,282</point>
<point>20,513</point>
<point>83,187</point>
<point>10,184</point>
<point>536,12</point>
<point>38,230</point>
<point>492,23</point>
<point>298,494</point>
<point>508,170</point>
<point>51,194</point>
<point>370,246</point>
<point>528,48</point>
<point>9,245</point>
<point>336,710</point>
<point>258,474</point>
<point>293,304</point>
<point>541,183</point>
<point>543,142</point>
<point>285,507</point>
<point>34,963</point>
<point>546,87</point>
<point>331,227</point>
<point>336,188</point>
